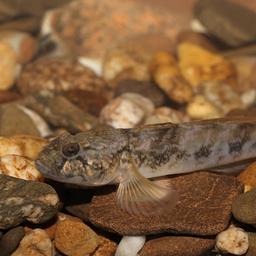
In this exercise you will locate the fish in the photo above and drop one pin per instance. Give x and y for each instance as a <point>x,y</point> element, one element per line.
<point>135,158</point>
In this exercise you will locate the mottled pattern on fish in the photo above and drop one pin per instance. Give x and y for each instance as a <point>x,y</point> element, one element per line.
<point>129,156</point>
<point>171,149</point>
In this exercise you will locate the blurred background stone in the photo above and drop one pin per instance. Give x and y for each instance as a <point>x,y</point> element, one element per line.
<point>25,15</point>
<point>228,21</point>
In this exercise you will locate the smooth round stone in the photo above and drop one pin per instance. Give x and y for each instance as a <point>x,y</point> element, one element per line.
<point>233,240</point>
<point>244,207</point>
<point>230,22</point>
<point>10,240</point>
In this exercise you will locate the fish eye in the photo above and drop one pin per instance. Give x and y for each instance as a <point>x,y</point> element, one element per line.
<point>71,149</point>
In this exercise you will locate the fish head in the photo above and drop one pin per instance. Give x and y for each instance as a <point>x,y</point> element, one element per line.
<point>86,159</point>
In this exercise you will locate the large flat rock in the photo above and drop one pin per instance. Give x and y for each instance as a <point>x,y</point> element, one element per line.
<point>203,208</point>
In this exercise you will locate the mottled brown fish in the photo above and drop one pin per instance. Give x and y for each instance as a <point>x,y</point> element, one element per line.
<point>130,156</point>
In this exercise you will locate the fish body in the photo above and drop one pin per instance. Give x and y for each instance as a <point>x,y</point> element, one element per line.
<point>129,156</point>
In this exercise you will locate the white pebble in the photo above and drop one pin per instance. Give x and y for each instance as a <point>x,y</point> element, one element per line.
<point>127,111</point>
<point>130,245</point>
<point>233,240</point>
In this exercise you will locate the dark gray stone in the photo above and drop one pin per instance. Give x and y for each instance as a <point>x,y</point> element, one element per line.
<point>11,240</point>
<point>230,22</point>
<point>22,200</point>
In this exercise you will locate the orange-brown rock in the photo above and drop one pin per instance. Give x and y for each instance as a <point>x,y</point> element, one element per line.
<point>198,65</point>
<point>74,238</point>
<point>196,38</point>
<point>170,80</point>
<point>90,27</point>
<point>106,247</point>
<point>8,66</point>
<point>248,177</point>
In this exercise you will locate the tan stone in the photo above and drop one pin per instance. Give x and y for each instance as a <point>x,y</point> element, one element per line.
<point>165,114</point>
<point>75,238</point>
<point>198,64</point>
<point>19,167</point>
<point>8,66</point>
<point>23,44</point>
<point>51,229</point>
<point>201,108</point>
<point>35,243</point>
<point>170,80</point>
<point>119,65</point>
<point>22,145</point>
<point>189,36</point>
<point>162,58</point>
<point>221,95</point>
<point>245,66</point>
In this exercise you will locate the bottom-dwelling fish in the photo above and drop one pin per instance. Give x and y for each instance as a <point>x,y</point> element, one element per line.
<point>130,156</point>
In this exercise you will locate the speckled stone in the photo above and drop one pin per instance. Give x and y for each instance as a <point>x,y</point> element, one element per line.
<point>203,208</point>
<point>25,200</point>
<point>10,240</point>
<point>73,237</point>
<point>58,74</point>
<point>176,246</point>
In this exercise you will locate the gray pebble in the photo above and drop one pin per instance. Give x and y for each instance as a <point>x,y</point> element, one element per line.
<point>11,240</point>
<point>230,22</point>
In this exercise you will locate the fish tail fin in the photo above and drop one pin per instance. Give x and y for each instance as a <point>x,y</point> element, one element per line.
<point>138,195</point>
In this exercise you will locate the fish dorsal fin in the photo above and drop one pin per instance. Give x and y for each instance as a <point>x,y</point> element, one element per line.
<point>138,195</point>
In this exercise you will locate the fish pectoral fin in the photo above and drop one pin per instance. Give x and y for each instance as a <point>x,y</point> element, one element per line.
<point>138,195</point>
